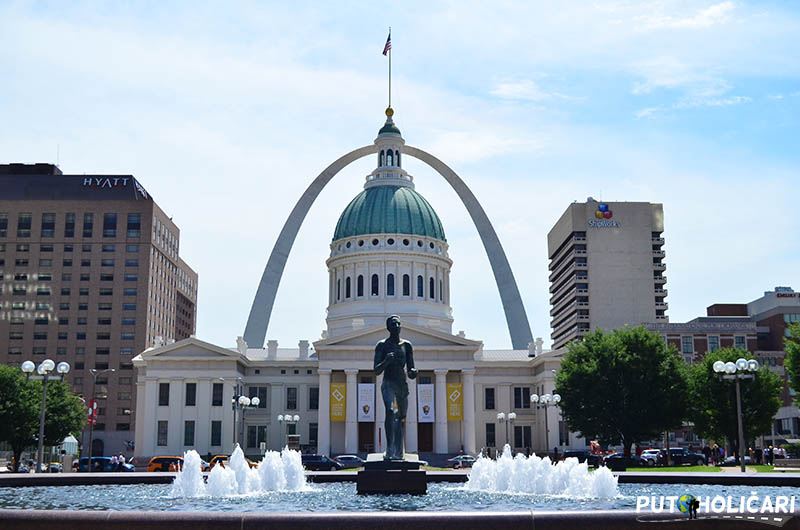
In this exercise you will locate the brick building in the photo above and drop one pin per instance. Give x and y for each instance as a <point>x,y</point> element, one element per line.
<point>90,273</point>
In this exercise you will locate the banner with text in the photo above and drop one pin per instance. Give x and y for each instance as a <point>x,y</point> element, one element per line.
<point>338,401</point>
<point>455,402</point>
<point>366,402</point>
<point>425,410</point>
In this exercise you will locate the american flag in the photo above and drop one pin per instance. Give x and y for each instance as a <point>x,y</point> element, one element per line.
<point>388,45</point>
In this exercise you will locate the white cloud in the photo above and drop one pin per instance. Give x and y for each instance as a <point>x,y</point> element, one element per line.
<point>646,112</point>
<point>524,90</point>
<point>704,18</point>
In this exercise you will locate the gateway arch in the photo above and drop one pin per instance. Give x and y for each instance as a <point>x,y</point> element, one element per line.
<point>257,322</point>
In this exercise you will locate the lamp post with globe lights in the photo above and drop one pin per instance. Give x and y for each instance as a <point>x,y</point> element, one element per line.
<point>736,371</point>
<point>242,403</point>
<point>509,418</point>
<point>288,419</point>
<point>542,402</point>
<point>44,370</point>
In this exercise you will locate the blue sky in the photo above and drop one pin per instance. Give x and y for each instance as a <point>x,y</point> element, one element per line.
<point>227,111</point>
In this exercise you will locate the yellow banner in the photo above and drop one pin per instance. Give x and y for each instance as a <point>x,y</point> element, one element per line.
<point>338,401</point>
<point>455,402</point>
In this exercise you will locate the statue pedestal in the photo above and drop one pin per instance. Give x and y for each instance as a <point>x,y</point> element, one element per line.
<point>392,476</point>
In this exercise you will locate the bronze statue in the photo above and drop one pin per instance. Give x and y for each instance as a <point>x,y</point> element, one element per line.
<point>393,357</point>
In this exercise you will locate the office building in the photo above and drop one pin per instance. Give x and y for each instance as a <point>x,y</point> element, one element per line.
<point>90,273</point>
<point>606,268</point>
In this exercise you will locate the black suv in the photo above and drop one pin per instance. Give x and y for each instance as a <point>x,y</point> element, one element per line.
<point>680,457</point>
<point>583,456</point>
<point>320,463</point>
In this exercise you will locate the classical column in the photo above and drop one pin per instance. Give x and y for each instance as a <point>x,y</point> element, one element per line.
<point>380,418</point>
<point>503,405</point>
<point>278,435</point>
<point>411,418</point>
<point>324,418</point>
<point>468,424</point>
<point>351,417</point>
<point>440,396</point>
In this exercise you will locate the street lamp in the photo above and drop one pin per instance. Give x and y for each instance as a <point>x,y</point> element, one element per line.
<point>509,418</point>
<point>288,419</point>
<point>43,370</point>
<point>242,403</point>
<point>544,401</point>
<point>737,371</point>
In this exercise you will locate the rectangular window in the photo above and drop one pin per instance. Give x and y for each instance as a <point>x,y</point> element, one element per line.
<point>88,224</point>
<point>488,398</point>
<point>740,343</point>
<point>291,428</point>
<point>69,226</point>
<point>106,291</point>
<point>191,394</point>
<point>261,393</point>
<point>291,398</point>
<point>123,426</point>
<point>86,248</point>
<point>3,225</point>
<point>216,433</point>
<point>313,398</point>
<point>21,262</point>
<point>188,433</point>
<point>104,336</point>
<point>128,321</point>
<point>129,307</point>
<point>109,247</point>
<point>109,225</point>
<point>68,248</point>
<point>522,398</point>
<point>42,248</point>
<point>216,396</point>
<point>251,436</point>
<point>687,344</point>
<point>522,436</point>
<point>713,343</point>
<point>84,291</point>
<point>134,224</point>
<point>127,336</point>
<point>106,277</point>
<point>131,278</point>
<point>313,429</point>
<point>48,225</point>
<point>162,433</point>
<point>45,277</point>
<point>103,321</point>
<point>39,335</point>
<point>163,394</point>
<point>108,262</point>
<point>490,439</point>
<point>24,225</point>
<point>129,291</point>
<point>132,262</point>
<point>100,307</point>
<point>131,248</point>
<point>67,263</point>
<point>86,262</point>
<point>45,262</point>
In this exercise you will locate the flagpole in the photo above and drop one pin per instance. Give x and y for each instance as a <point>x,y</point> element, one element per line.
<point>390,69</point>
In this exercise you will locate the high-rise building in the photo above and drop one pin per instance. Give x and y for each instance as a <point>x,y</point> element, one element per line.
<point>606,268</point>
<point>89,274</point>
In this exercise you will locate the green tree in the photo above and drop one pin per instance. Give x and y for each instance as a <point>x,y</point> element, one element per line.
<point>19,411</point>
<point>20,406</point>
<point>792,363</point>
<point>713,401</point>
<point>624,386</point>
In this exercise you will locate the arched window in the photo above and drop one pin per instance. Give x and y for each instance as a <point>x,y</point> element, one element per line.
<point>360,285</point>
<point>390,285</point>
<point>397,158</point>
<point>339,289</point>
<point>374,285</point>
<point>430,288</point>
<point>406,285</point>
<point>389,158</point>
<point>441,296</point>
<point>380,159</point>
<point>347,287</point>
<point>420,287</point>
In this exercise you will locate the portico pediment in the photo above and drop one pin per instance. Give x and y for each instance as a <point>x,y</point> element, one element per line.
<point>420,337</point>
<point>191,349</point>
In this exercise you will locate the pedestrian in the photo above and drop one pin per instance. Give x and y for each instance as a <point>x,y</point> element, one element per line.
<point>114,462</point>
<point>759,454</point>
<point>707,453</point>
<point>121,460</point>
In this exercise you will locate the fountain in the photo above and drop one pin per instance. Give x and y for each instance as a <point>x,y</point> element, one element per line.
<point>276,472</point>
<point>536,475</point>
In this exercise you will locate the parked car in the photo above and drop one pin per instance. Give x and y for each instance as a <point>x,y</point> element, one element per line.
<point>320,463</point>
<point>583,456</point>
<point>460,461</point>
<point>615,459</point>
<point>349,461</point>
<point>165,463</point>
<point>681,457</point>
<point>730,461</point>
<point>223,460</point>
<point>22,468</point>
<point>102,463</point>
<point>55,467</point>
<point>651,456</point>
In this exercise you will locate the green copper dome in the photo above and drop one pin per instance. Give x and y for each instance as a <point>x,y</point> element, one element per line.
<point>389,210</point>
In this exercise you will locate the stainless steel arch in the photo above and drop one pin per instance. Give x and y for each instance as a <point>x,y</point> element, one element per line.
<point>260,311</point>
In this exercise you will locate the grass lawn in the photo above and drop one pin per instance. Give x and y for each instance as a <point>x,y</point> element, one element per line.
<point>680,469</point>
